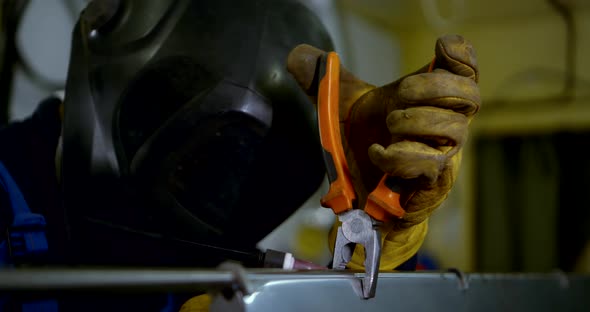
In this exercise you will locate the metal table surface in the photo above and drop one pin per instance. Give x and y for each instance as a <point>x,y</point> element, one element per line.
<point>272,290</point>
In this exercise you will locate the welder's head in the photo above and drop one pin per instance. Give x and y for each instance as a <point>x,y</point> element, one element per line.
<point>182,121</point>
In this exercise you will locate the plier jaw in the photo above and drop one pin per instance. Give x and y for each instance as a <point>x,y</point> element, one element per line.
<point>359,228</point>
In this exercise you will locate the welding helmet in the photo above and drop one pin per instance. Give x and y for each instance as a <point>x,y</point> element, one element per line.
<point>182,125</point>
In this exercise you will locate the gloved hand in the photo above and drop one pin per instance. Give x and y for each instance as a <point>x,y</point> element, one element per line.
<point>413,128</point>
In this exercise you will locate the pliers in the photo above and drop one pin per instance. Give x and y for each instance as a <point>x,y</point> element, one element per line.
<point>359,226</point>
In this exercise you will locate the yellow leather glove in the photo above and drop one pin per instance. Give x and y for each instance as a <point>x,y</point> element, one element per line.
<point>199,303</point>
<point>412,128</point>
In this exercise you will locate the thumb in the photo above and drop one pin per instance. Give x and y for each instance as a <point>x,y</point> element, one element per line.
<point>303,64</point>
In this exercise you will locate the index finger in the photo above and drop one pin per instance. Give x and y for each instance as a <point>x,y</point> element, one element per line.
<point>455,54</point>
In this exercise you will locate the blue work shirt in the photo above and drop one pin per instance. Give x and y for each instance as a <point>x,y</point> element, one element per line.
<point>27,150</point>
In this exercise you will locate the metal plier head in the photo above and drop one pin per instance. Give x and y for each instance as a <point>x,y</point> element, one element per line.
<point>358,226</point>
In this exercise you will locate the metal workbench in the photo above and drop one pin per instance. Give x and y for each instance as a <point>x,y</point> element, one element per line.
<point>274,290</point>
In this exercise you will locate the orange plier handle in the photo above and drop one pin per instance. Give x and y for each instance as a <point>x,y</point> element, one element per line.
<point>383,202</point>
<point>341,194</point>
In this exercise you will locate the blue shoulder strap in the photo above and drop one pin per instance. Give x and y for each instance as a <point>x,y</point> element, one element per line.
<point>25,237</point>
